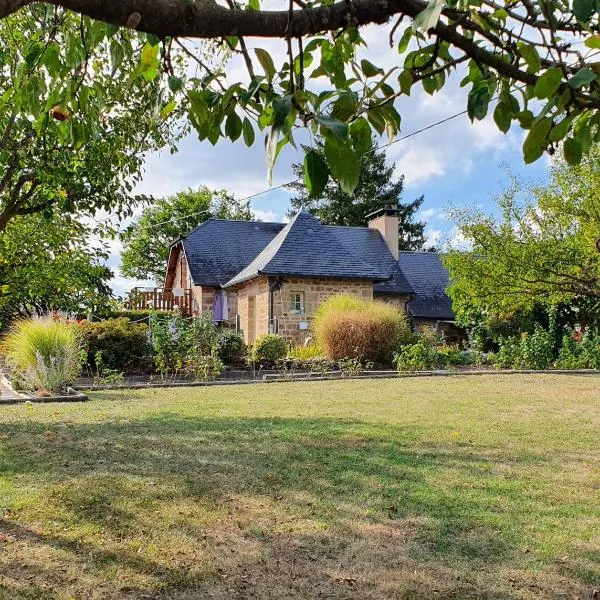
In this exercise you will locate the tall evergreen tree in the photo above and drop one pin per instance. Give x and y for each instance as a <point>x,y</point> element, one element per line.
<point>376,189</point>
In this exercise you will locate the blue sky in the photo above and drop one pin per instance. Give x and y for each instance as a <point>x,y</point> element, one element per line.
<point>455,163</point>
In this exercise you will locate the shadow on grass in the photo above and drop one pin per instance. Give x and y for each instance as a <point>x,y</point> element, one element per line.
<point>267,508</point>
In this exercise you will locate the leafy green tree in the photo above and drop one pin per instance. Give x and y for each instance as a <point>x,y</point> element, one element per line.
<point>76,114</point>
<point>51,264</point>
<point>148,239</point>
<point>542,250</point>
<point>376,189</point>
<point>533,63</point>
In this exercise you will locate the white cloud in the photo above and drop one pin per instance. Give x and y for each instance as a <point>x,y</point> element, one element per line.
<point>418,164</point>
<point>268,216</point>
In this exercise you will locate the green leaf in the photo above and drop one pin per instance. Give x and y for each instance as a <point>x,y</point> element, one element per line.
<point>264,58</point>
<point>479,100</point>
<point>560,130</point>
<point>175,83</point>
<point>572,151</point>
<point>51,59</point>
<point>117,55</point>
<point>149,56</point>
<point>233,126</point>
<point>34,52</point>
<point>343,163</point>
<point>405,79</point>
<point>316,173</point>
<point>168,109</point>
<point>502,117</point>
<point>429,17</point>
<point>405,40</point>
<point>593,41</point>
<point>525,118</point>
<point>583,9</point>
<point>248,132</point>
<point>548,83</point>
<point>339,129</point>
<point>536,142</point>
<point>360,134</point>
<point>531,57</point>
<point>253,5</point>
<point>369,69</point>
<point>581,78</point>
<point>282,107</point>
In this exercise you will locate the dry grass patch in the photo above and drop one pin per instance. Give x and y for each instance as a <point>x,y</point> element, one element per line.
<point>470,488</point>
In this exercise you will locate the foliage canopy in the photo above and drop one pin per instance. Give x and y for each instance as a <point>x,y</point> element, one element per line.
<point>543,249</point>
<point>532,63</point>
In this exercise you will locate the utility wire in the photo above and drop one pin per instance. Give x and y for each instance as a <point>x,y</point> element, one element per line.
<point>283,185</point>
<point>374,149</point>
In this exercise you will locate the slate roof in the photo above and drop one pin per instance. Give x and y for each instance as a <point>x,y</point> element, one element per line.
<point>306,248</point>
<point>429,279</point>
<point>371,247</point>
<point>219,249</point>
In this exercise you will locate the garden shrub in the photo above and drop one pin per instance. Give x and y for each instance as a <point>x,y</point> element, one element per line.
<point>268,349</point>
<point>171,343</point>
<point>580,351</point>
<point>420,356</point>
<point>45,355</point>
<point>348,327</point>
<point>454,356</point>
<point>527,351</point>
<point>183,345</point>
<point>203,334</point>
<point>230,348</point>
<point>117,345</point>
<point>204,367</point>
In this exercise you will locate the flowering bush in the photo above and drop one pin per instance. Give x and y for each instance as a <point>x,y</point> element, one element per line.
<point>527,351</point>
<point>580,350</point>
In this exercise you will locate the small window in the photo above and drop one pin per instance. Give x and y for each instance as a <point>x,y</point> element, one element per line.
<point>297,303</point>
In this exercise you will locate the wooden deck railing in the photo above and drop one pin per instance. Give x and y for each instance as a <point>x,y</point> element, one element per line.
<point>160,299</point>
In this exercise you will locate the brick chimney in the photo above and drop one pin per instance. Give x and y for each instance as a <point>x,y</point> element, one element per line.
<point>385,220</point>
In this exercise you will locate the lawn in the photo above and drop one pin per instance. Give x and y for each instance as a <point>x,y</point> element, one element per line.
<point>466,487</point>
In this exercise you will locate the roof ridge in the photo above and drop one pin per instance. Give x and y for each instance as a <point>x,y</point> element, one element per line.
<point>350,227</point>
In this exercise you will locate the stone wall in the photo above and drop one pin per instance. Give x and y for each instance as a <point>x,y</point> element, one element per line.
<point>315,291</point>
<point>253,308</point>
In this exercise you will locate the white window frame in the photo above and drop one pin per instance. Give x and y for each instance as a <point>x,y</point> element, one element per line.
<point>297,298</point>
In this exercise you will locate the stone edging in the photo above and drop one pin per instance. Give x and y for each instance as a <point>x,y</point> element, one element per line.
<point>338,377</point>
<point>19,398</point>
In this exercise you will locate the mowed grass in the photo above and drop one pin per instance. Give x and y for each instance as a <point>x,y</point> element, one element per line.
<point>463,487</point>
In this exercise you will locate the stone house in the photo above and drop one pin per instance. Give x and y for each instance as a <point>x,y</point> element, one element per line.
<point>270,277</point>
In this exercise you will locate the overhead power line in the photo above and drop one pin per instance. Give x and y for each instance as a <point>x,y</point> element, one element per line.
<point>283,185</point>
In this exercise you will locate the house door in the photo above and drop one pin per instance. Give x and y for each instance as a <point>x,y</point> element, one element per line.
<point>251,319</point>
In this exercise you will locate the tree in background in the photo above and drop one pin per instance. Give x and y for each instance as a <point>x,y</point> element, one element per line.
<point>376,189</point>
<point>542,251</point>
<point>147,241</point>
<point>51,264</point>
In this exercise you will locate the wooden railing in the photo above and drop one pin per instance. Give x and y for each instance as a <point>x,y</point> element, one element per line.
<point>160,299</point>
